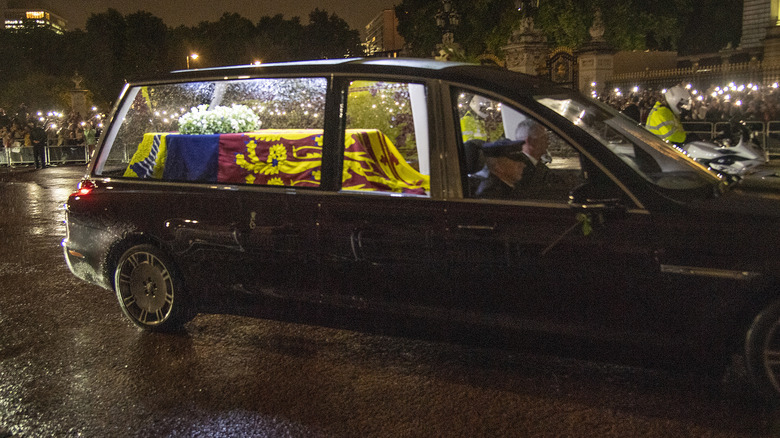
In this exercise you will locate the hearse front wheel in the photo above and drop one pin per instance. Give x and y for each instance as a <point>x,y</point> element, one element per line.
<point>149,290</point>
<point>762,352</point>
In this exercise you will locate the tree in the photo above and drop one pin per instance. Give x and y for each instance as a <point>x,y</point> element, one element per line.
<point>330,37</point>
<point>417,26</point>
<point>486,25</point>
<point>37,90</point>
<point>105,50</point>
<point>115,48</point>
<point>228,41</point>
<point>711,26</point>
<point>146,45</point>
<point>629,24</point>
<point>279,39</point>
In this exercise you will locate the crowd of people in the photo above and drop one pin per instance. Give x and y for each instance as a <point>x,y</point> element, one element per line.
<point>24,129</point>
<point>731,102</point>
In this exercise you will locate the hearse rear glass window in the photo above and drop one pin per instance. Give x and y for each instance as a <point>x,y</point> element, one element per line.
<point>253,131</point>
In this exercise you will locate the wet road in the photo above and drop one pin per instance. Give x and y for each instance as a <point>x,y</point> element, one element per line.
<point>71,365</point>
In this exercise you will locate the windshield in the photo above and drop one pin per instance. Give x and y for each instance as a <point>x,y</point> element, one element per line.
<point>656,161</point>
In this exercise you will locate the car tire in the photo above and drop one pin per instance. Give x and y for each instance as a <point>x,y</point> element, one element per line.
<point>762,352</point>
<point>149,290</point>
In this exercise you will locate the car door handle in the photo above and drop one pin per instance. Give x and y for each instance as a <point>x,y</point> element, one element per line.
<point>477,227</point>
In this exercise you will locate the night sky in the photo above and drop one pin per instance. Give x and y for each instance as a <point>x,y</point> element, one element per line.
<point>357,13</point>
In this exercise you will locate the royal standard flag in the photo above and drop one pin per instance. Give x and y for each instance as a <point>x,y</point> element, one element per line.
<point>285,157</point>
<point>372,162</point>
<point>149,159</point>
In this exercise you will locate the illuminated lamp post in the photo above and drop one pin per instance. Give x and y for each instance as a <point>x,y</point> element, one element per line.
<point>194,57</point>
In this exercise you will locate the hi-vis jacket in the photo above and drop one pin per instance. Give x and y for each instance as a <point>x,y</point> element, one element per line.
<point>662,122</point>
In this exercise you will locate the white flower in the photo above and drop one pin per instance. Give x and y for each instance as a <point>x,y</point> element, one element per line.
<point>220,120</point>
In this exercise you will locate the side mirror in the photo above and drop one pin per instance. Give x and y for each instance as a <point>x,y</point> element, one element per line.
<point>586,198</point>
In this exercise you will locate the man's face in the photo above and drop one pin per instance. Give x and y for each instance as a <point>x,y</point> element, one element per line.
<point>536,143</point>
<point>507,169</point>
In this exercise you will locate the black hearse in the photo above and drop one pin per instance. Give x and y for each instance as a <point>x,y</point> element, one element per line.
<point>368,192</point>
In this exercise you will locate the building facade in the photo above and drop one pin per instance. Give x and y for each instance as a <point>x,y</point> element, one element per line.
<point>380,36</point>
<point>17,15</point>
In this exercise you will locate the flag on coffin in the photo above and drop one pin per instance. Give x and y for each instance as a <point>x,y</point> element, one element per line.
<point>287,157</point>
<point>149,159</point>
<point>192,158</point>
<point>372,162</point>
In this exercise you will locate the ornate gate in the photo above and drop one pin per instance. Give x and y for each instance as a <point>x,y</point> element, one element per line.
<point>562,67</point>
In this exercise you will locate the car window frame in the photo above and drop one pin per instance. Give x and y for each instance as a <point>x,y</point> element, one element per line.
<point>122,106</point>
<point>437,147</point>
<point>542,115</point>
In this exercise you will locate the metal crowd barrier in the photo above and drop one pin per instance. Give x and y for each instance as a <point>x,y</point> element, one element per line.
<point>53,155</point>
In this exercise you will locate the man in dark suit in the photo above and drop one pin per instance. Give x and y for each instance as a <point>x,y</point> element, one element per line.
<point>515,167</point>
<point>535,143</point>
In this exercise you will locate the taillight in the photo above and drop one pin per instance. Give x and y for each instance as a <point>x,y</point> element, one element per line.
<point>84,188</point>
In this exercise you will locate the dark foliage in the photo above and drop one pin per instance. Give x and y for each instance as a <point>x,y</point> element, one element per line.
<point>39,65</point>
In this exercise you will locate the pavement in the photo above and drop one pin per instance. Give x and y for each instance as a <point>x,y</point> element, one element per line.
<point>27,168</point>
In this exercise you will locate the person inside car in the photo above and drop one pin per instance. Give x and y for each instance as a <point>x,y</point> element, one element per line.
<point>506,164</point>
<point>534,138</point>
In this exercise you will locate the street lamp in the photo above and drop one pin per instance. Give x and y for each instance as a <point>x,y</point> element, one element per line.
<point>194,56</point>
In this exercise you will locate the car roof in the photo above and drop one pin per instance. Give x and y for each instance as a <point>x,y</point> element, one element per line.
<point>492,77</point>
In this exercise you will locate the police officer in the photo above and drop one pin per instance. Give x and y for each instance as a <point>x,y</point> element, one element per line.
<point>664,117</point>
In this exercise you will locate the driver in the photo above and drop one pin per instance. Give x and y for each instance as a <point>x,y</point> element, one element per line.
<point>664,117</point>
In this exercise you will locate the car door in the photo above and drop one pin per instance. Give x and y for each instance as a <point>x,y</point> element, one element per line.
<point>535,261</point>
<point>550,265</point>
<point>277,170</point>
<point>382,236</point>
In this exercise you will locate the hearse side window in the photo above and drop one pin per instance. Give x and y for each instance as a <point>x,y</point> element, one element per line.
<point>249,131</point>
<point>506,154</point>
<point>386,146</point>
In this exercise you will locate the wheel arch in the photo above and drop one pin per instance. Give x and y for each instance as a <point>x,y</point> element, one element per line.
<point>119,247</point>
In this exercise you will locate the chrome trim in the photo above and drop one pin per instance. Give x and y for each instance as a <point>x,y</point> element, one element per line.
<point>709,272</point>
